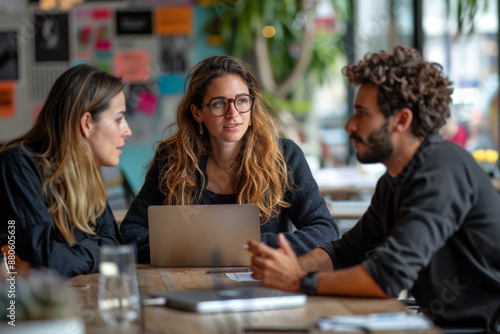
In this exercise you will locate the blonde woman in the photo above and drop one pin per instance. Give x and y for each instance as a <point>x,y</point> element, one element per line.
<point>226,149</point>
<point>52,199</point>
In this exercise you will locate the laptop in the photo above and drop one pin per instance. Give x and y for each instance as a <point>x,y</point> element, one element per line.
<point>248,298</point>
<point>202,235</point>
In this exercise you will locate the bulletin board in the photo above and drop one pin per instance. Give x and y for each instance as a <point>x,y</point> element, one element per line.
<point>12,78</point>
<point>147,43</point>
<point>151,44</point>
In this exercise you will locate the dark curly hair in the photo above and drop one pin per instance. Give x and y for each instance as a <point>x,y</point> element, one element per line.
<point>404,80</point>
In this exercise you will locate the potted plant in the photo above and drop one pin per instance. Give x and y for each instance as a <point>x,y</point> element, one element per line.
<point>38,303</point>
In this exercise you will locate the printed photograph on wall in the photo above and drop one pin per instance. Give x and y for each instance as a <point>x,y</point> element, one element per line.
<point>92,29</point>
<point>134,23</point>
<point>8,56</point>
<point>51,37</point>
<point>175,55</point>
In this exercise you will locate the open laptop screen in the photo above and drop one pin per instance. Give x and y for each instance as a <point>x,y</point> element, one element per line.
<point>202,235</point>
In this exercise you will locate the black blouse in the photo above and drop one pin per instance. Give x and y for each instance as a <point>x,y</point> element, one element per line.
<point>36,238</point>
<point>209,197</point>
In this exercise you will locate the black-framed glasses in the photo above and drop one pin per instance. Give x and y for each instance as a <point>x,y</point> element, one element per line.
<point>219,105</point>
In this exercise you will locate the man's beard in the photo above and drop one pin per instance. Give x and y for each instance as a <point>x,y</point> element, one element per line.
<point>378,146</point>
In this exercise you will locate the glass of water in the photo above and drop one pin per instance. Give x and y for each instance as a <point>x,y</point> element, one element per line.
<point>118,293</point>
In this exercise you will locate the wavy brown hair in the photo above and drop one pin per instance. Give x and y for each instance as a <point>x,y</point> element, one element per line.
<point>72,186</point>
<point>404,80</point>
<point>261,176</point>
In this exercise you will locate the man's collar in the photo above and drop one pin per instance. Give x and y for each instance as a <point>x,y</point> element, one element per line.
<point>425,149</point>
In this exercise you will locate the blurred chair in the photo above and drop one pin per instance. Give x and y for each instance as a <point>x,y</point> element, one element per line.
<point>118,190</point>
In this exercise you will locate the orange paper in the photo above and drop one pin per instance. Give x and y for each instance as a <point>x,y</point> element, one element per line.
<point>7,98</point>
<point>174,20</point>
<point>132,66</point>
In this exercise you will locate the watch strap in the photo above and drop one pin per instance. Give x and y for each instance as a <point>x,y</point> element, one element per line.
<point>309,283</point>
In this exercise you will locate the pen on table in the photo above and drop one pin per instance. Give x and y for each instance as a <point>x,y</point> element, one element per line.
<point>227,271</point>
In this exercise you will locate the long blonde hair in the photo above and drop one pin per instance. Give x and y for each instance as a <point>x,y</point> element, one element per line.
<point>261,177</point>
<point>72,186</point>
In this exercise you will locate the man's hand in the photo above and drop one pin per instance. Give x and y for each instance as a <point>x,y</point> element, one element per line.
<point>276,268</point>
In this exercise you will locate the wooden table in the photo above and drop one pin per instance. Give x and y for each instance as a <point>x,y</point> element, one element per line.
<point>160,319</point>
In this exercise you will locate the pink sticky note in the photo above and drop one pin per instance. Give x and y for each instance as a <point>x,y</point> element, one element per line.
<point>102,14</point>
<point>132,66</point>
<point>147,103</point>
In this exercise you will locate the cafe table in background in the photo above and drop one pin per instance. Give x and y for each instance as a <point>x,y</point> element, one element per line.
<point>341,183</point>
<point>161,319</point>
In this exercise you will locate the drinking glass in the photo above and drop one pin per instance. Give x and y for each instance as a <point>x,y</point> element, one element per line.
<point>118,293</point>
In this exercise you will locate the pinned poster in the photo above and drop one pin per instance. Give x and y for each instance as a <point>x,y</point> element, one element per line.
<point>51,37</point>
<point>8,56</point>
<point>134,23</point>
<point>84,33</point>
<point>174,20</point>
<point>132,66</point>
<point>103,18</point>
<point>175,53</point>
<point>93,27</point>
<point>7,98</point>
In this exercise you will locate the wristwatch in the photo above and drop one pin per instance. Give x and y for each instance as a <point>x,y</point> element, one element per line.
<point>309,283</point>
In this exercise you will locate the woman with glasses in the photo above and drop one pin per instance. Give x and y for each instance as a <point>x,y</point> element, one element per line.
<point>226,150</point>
<point>52,199</point>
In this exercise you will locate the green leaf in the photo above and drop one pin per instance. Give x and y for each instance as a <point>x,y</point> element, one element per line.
<point>460,16</point>
<point>239,8</point>
<point>290,6</point>
<point>280,31</point>
<point>342,9</point>
<point>485,8</point>
<point>472,12</point>
<point>268,12</point>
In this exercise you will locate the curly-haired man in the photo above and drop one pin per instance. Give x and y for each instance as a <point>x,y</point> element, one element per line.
<point>433,225</point>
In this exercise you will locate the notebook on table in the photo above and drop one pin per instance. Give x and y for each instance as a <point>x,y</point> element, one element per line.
<point>247,298</point>
<point>202,235</point>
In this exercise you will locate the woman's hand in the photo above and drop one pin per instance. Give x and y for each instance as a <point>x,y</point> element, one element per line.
<point>276,268</point>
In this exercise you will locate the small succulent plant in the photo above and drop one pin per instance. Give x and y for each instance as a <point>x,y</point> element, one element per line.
<point>39,296</point>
